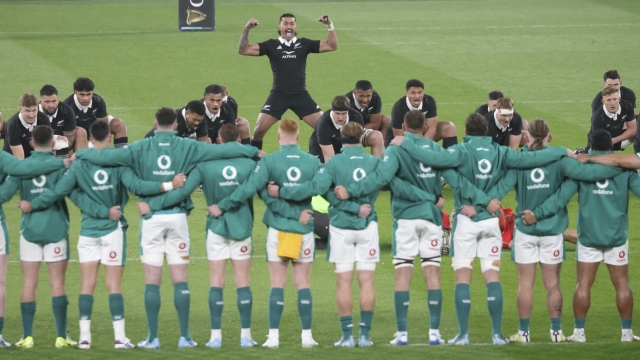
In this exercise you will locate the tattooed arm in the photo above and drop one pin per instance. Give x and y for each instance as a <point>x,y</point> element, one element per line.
<point>243,46</point>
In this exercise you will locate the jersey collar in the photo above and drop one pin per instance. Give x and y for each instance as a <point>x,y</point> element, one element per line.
<point>211,115</point>
<point>79,106</point>
<point>26,124</point>
<point>288,43</point>
<point>614,115</point>
<point>411,106</point>
<point>49,116</point>
<point>334,122</point>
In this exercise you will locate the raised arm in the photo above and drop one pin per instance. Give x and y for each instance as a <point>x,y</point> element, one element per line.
<point>627,161</point>
<point>332,40</point>
<point>243,46</point>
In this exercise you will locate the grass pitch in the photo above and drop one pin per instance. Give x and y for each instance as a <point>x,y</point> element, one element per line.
<point>547,55</point>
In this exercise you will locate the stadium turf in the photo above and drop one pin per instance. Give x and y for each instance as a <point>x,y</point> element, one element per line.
<point>547,55</point>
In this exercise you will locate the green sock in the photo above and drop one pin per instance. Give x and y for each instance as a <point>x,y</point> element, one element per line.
<point>276,306</point>
<point>462,299</point>
<point>245,304</point>
<point>152,304</point>
<point>182,302</point>
<point>216,303</point>
<point>1,324</point>
<point>401,301</point>
<point>494,303</point>
<point>85,305</point>
<point>524,324</point>
<point>116,306</point>
<point>556,324</point>
<point>305,308</point>
<point>28,310</point>
<point>579,323</point>
<point>626,324</point>
<point>59,305</point>
<point>346,324</point>
<point>434,300</point>
<point>366,318</point>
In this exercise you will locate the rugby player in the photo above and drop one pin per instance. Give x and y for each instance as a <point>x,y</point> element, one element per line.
<point>89,107</point>
<point>353,234</point>
<point>103,231</point>
<point>166,232</point>
<point>19,127</point>
<point>366,100</point>
<point>288,57</point>
<point>11,165</point>
<point>242,123</point>
<point>62,119</point>
<point>416,99</point>
<point>289,166</point>
<point>603,224</point>
<point>220,112</point>
<point>228,236</point>
<point>479,161</point>
<point>615,116</point>
<point>43,237</point>
<point>542,243</point>
<point>325,141</point>
<point>490,106</point>
<point>612,77</point>
<point>190,122</point>
<point>505,124</point>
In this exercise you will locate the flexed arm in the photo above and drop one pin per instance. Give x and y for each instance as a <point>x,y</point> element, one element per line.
<point>243,46</point>
<point>332,40</point>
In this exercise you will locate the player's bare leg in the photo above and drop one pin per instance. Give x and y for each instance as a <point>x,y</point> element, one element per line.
<point>59,302</point>
<point>446,131</point>
<point>245,130</point>
<point>431,274</point>
<point>263,124</point>
<point>301,280</point>
<point>551,281</point>
<point>278,274</point>
<point>376,141</point>
<point>367,304</point>
<point>582,298</point>
<point>624,299</point>
<point>88,279</point>
<point>384,125</point>
<point>119,131</point>
<point>312,119</point>
<point>81,141</point>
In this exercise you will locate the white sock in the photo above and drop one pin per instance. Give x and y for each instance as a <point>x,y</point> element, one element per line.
<point>118,330</point>
<point>245,333</point>
<point>275,333</point>
<point>306,333</point>
<point>85,330</point>
<point>216,334</point>
<point>435,332</point>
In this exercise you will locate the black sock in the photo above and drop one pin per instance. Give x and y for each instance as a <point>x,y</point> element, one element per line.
<point>121,142</point>
<point>450,141</point>
<point>62,153</point>
<point>257,144</point>
<point>246,141</point>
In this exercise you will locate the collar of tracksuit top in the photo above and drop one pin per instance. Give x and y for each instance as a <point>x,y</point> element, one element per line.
<point>165,134</point>
<point>42,154</point>
<point>416,139</point>
<point>481,139</point>
<point>353,150</point>
<point>292,147</point>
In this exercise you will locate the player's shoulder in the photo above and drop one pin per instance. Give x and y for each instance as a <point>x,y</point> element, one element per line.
<point>482,109</point>
<point>625,104</point>
<point>428,99</point>
<point>356,116</point>
<point>13,119</point>
<point>97,99</point>
<point>375,95</point>
<point>400,103</point>
<point>69,100</point>
<point>490,115</point>
<point>350,95</point>
<point>65,109</point>
<point>326,116</point>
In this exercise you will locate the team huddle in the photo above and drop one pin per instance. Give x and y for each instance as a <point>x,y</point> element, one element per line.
<point>207,145</point>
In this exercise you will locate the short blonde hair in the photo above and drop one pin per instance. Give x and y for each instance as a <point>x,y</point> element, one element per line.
<point>288,127</point>
<point>28,100</point>
<point>352,130</point>
<point>504,103</point>
<point>609,90</point>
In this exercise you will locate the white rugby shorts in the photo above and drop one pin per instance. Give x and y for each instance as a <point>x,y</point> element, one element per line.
<point>307,251</point>
<point>221,248</point>
<point>109,249</point>
<point>471,239</point>
<point>531,249</point>
<point>165,234</point>
<point>348,246</point>
<point>416,237</point>
<point>38,252</point>
<point>618,255</point>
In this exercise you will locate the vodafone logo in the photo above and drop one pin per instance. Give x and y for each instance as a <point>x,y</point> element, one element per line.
<point>113,254</point>
<point>537,175</point>
<point>495,249</point>
<point>244,249</point>
<point>622,254</point>
<point>434,243</point>
<point>182,246</point>
<point>294,174</point>
<point>602,185</point>
<point>39,181</point>
<point>425,168</point>
<point>57,250</point>
<point>484,166</point>
<point>556,253</point>
<point>372,252</point>
<point>101,177</point>
<point>307,251</point>
<point>229,172</point>
<point>164,162</point>
<point>359,174</point>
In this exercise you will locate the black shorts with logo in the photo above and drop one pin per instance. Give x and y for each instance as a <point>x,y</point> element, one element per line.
<point>300,103</point>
